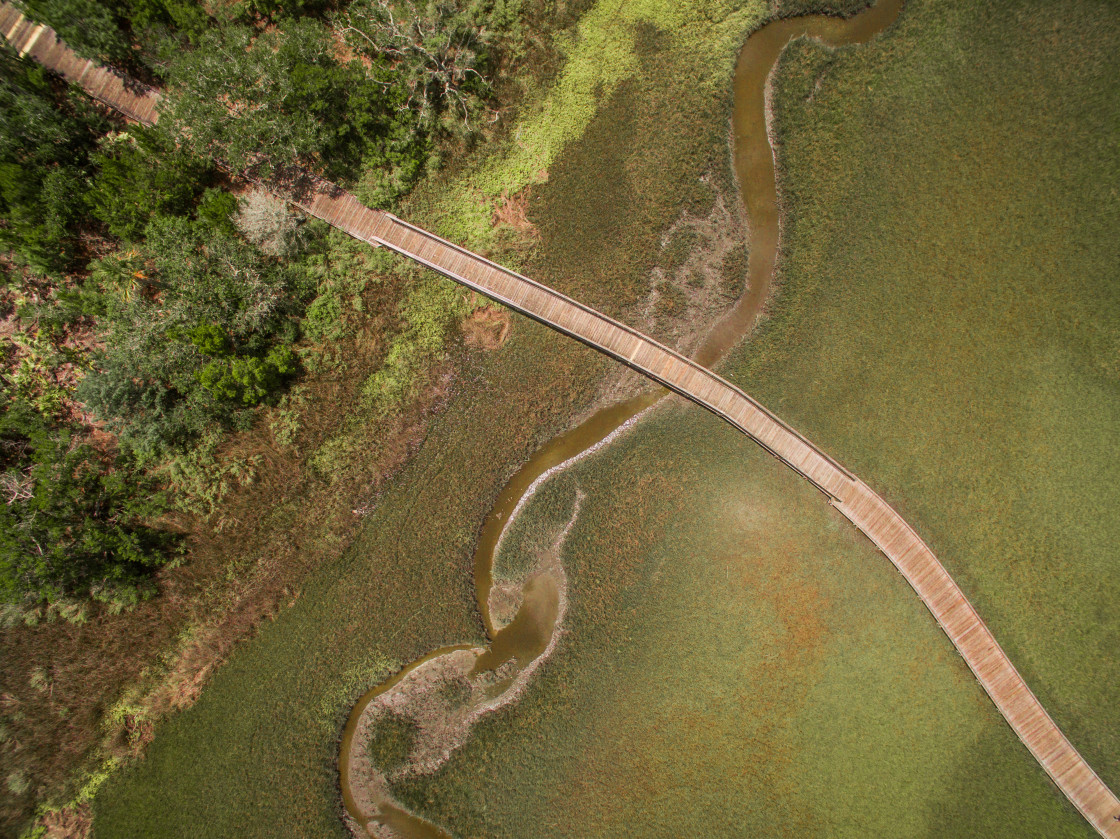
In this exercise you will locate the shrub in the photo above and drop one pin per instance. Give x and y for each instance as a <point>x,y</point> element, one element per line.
<point>46,137</point>
<point>267,222</point>
<point>195,328</point>
<point>140,175</point>
<point>72,520</point>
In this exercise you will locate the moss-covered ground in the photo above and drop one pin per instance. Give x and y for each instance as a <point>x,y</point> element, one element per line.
<point>736,659</point>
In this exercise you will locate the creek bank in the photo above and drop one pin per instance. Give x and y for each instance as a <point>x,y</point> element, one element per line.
<point>488,678</point>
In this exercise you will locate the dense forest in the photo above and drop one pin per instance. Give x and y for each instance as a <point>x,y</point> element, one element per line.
<point>152,300</point>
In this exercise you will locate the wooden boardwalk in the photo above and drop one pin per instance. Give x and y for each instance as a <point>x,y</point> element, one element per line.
<point>853,498</point>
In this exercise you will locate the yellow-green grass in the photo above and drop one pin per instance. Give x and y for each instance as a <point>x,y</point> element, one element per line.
<point>614,146</point>
<point>736,660</point>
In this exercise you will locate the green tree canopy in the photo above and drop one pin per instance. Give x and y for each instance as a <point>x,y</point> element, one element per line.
<point>141,174</point>
<point>71,519</point>
<point>89,27</point>
<point>440,51</point>
<point>46,136</point>
<point>195,325</point>
<point>105,30</point>
<point>285,96</point>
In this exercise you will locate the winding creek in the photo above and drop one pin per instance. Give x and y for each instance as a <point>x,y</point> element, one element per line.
<point>443,693</point>
<point>410,725</point>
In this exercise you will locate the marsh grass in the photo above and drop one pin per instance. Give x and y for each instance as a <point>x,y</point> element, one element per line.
<point>736,659</point>
<point>391,741</point>
<point>404,586</point>
<point>706,619</point>
<point>115,678</point>
<point>950,324</point>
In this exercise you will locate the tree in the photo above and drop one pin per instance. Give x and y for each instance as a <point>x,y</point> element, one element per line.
<point>285,96</point>
<point>276,9</point>
<point>267,222</point>
<point>46,137</point>
<point>439,49</point>
<point>150,20</point>
<point>141,174</point>
<point>89,27</point>
<point>72,521</point>
<point>105,30</point>
<point>195,325</point>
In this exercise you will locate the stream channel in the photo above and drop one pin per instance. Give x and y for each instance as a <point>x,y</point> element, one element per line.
<point>489,677</point>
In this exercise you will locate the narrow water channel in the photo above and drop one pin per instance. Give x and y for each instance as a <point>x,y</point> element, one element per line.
<point>515,646</point>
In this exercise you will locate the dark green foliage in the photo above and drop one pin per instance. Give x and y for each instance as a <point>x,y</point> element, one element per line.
<point>276,9</point>
<point>71,521</point>
<point>195,325</point>
<point>46,136</point>
<point>140,175</point>
<point>149,19</point>
<point>284,95</point>
<point>440,52</point>
<point>217,208</point>
<point>106,30</point>
<point>40,124</point>
<point>90,27</point>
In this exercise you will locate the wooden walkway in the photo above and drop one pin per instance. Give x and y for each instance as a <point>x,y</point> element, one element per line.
<point>853,498</point>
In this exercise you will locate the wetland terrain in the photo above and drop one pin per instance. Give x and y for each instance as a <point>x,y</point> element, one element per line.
<point>732,654</point>
<point>582,607</point>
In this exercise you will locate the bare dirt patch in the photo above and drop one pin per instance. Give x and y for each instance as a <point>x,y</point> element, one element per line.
<point>690,289</point>
<point>513,211</point>
<point>697,279</point>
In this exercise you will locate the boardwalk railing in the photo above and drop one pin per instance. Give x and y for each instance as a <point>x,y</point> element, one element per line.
<point>853,498</point>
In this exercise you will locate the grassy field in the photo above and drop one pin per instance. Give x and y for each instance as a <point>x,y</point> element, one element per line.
<point>954,239</point>
<point>737,660</point>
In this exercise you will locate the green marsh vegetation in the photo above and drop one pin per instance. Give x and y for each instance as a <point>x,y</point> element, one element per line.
<point>404,587</point>
<point>737,661</point>
<point>974,382</point>
<point>391,741</point>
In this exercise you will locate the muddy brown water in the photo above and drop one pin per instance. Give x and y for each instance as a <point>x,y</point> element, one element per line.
<point>527,636</point>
